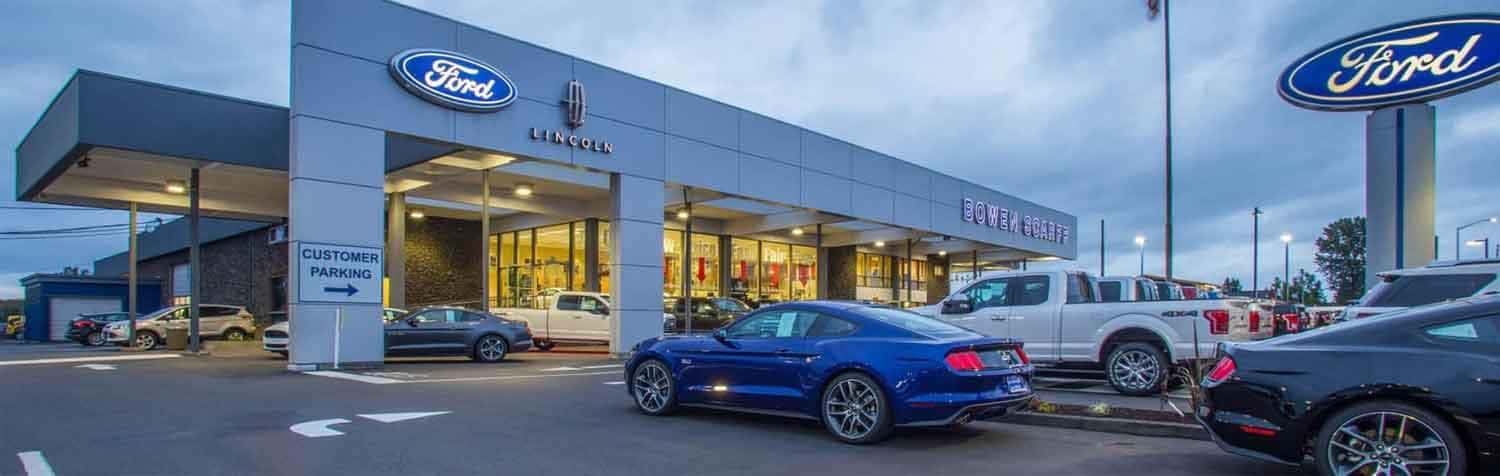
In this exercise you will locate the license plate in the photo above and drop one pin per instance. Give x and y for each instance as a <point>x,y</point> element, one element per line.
<point>1016,384</point>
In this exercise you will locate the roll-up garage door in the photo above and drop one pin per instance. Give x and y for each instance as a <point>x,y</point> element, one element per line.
<point>64,309</point>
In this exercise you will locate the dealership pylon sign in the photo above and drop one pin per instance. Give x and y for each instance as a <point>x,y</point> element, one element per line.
<point>1394,71</point>
<point>1411,62</point>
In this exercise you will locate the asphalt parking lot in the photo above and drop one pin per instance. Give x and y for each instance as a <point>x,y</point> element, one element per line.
<point>535,414</point>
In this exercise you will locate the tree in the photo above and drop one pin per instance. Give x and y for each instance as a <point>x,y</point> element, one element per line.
<point>1341,258</point>
<point>1231,286</point>
<point>1305,288</point>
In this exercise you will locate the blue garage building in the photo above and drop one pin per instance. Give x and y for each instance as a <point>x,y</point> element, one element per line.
<point>54,299</point>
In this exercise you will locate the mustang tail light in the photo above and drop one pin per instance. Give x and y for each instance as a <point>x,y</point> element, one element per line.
<point>1222,371</point>
<point>1218,321</point>
<point>964,361</point>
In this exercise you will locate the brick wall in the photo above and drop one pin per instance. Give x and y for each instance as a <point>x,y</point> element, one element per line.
<point>236,271</point>
<point>442,261</point>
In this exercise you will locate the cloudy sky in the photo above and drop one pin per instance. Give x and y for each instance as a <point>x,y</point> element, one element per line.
<point>1059,101</point>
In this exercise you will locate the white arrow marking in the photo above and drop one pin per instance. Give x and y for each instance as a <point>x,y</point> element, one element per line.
<point>35,464</point>
<point>395,417</point>
<point>318,428</point>
<point>95,367</point>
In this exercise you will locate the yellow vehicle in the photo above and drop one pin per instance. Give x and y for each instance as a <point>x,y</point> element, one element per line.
<point>14,325</point>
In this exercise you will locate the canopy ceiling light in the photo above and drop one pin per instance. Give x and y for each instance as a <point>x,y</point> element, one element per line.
<point>177,187</point>
<point>682,214</point>
<point>797,231</point>
<point>524,190</point>
<point>417,214</point>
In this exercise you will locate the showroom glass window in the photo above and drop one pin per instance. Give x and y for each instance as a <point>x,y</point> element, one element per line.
<point>578,261</point>
<point>605,265</point>
<point>552,258</point>
<point>804,273</point>
<point>744,269</point>
<point>671,261</point>
<point>774,260</point>
<point>703,270</point>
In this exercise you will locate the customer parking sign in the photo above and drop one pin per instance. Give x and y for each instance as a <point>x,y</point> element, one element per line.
<point>339,274</point>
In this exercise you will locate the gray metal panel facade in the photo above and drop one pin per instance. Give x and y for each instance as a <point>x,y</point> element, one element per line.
<point>173,236</point>
<point>96,109</point>
<point>658,132</point>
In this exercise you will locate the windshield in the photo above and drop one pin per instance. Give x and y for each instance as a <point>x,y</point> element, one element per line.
<point>917,323</point>
<point>733,305</point>
<point>158,313</point>
<point>1416,290</point>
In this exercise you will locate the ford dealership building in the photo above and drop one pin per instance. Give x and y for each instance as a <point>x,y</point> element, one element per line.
<point>439,163</point>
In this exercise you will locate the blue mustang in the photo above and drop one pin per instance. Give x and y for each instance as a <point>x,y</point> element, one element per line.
<point>859,369</point>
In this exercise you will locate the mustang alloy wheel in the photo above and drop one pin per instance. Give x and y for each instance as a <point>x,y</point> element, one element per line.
<point>1389,438</point>
<point>653,389</point>
<point>855,410</point>
<point>1136,369</point>
<point>96,339</point>
<point>490,348</point>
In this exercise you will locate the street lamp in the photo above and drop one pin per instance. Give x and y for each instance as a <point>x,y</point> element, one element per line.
<point>1457,239</point>
<point>1140,242</point>
<point>1286,273</point>
<point>1484,242</point>
<point>1255,252</point>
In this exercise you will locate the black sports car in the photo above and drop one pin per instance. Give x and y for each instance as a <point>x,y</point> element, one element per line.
<point>88,329</point>
<point>1411,393</point>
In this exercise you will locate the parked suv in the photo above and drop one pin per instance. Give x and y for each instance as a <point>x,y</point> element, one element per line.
<point>214,321</point>
<point>1437,282</point>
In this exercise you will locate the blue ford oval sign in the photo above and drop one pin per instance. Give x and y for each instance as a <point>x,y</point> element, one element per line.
<point>452,80</point>
<point>1410,62</point>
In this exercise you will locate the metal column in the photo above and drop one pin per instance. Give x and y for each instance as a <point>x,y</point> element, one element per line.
<point>195,265</point>
<point>484,240</point>
<point>133,280</point>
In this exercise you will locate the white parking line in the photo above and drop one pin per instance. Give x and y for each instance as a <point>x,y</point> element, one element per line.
<point>610,366</point>
<point>35,464</point>
<point>354,377</point>
<point>617,382</point>
<point>506,377</point>
<point>74,360</point>
<point>561,369</point>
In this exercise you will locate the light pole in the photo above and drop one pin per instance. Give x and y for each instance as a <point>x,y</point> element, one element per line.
<point>1286,273</point>
<point>1255,252</point>
<point>1160,6</point>
<point>1140,242</point>
<point>1485,243</point>
<point>1457,239</point>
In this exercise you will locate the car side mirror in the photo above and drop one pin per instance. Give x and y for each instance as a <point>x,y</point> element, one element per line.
<point>959,304</point>
<point>412,322</point>
<point>602,311</point>
<point>721,335</point>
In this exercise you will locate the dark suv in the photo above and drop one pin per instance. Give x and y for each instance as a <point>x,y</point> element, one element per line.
<point>709,313</point>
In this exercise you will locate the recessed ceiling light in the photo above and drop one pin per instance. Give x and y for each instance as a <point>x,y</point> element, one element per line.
<point>880,244</point>
<point>417,214</point>
<point>682,214</point>
<point>797,231</point>
<point>524,190</point>
<point>176,187</point>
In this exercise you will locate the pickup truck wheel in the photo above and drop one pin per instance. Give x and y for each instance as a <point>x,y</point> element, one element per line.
<point>1136,369</point>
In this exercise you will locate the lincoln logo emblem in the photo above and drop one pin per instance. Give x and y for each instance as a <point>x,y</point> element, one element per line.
<point>576,103</point>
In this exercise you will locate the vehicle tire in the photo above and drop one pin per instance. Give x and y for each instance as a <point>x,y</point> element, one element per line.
<point>855,410</point>
<point>235,335</point>
<point>147,340</point>
<point>490,348</point>
<point>283,354</point>
<point>1410,433</point>
<point>95,339</point>
<point>544,345</point>
<point>1136,369</point>
<point>653,389</point>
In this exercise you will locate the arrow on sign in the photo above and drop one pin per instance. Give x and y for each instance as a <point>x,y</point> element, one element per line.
<point>95,367</point>
<point>348,290</point>
<point>395,417</point>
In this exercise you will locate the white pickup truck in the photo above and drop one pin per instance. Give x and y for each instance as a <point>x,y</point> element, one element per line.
<point>1058,315</point>
<point>569,317</point>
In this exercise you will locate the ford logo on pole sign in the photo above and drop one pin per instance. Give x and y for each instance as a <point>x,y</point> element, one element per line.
<point>1411,62</point>
<point>452,80</point>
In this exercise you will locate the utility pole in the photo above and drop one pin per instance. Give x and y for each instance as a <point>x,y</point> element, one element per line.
<point>1255,253</point>
<point>1101,248</point>
<point>1156,6</point>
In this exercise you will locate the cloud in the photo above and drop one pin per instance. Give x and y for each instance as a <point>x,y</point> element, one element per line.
<point>1056,102</point>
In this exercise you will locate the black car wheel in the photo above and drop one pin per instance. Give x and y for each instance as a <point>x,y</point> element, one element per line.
<point>490,348</point>
<point>94,339</point>
<point>1389,438</point>
<point>1136,369</point>
<point>855,410</point>
<point>544,345</point>
<point>147,340</point>
<point>652,386</point>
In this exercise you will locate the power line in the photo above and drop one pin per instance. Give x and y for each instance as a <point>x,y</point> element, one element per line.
<point>57,209</point>
<point>55,237</point>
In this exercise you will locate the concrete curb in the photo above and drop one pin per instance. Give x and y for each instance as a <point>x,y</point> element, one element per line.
<point>1110,425</point>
